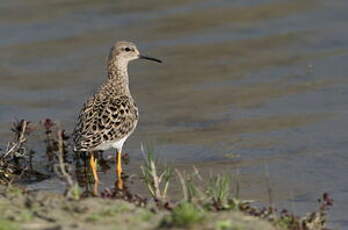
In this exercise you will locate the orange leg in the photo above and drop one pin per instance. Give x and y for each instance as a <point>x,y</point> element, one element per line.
<point>93,165</point>
<point>119,182</point>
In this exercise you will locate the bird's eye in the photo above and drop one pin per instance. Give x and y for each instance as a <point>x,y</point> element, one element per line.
<point>127,49</point>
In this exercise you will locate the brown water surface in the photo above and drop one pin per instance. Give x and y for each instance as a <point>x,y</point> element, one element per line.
<point>258,86</point>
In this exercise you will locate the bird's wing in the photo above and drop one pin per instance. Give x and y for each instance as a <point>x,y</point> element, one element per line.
<point>105,119</point>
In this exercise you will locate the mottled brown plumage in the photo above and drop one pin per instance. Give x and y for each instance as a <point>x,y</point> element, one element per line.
<point>105,117</point>
<point>109,116</point>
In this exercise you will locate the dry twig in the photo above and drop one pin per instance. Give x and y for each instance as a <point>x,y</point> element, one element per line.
<point>62,169</point>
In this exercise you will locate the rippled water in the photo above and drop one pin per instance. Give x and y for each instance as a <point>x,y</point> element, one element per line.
<point>258,86</point>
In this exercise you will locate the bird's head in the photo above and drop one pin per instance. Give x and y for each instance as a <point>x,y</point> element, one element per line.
<point>124,51</point>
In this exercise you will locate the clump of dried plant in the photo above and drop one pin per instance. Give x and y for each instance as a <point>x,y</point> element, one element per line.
<point>16,159</point>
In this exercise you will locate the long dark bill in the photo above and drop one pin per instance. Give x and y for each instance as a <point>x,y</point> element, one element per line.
<point>150,58</point>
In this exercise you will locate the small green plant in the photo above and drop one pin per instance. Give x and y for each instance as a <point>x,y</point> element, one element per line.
<point>191,192</point>
<point>108,212</point>
<point>13,190</point>
<point>156,182</point>
<point>285,222</point>
<point>114,210</point>
<point>8,225</point>
<point>25,215</point>
<point>216,195</point>
<point>219,190</point>
<point>223,224</point>
<point>145,215</point>
<point>74,192</point>
<point>95,217</point>
<point>183,215</point>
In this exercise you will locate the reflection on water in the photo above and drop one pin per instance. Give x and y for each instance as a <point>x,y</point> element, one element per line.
<point>262,81</point>
<point>84,174</point>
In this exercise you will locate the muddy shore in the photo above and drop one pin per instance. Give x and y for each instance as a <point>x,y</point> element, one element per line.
<point>43,210</point>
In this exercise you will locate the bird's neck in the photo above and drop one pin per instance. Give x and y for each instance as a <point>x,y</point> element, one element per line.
<point>118,76</point>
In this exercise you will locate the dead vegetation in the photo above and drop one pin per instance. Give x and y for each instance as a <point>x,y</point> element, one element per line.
<point>16,161</point>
